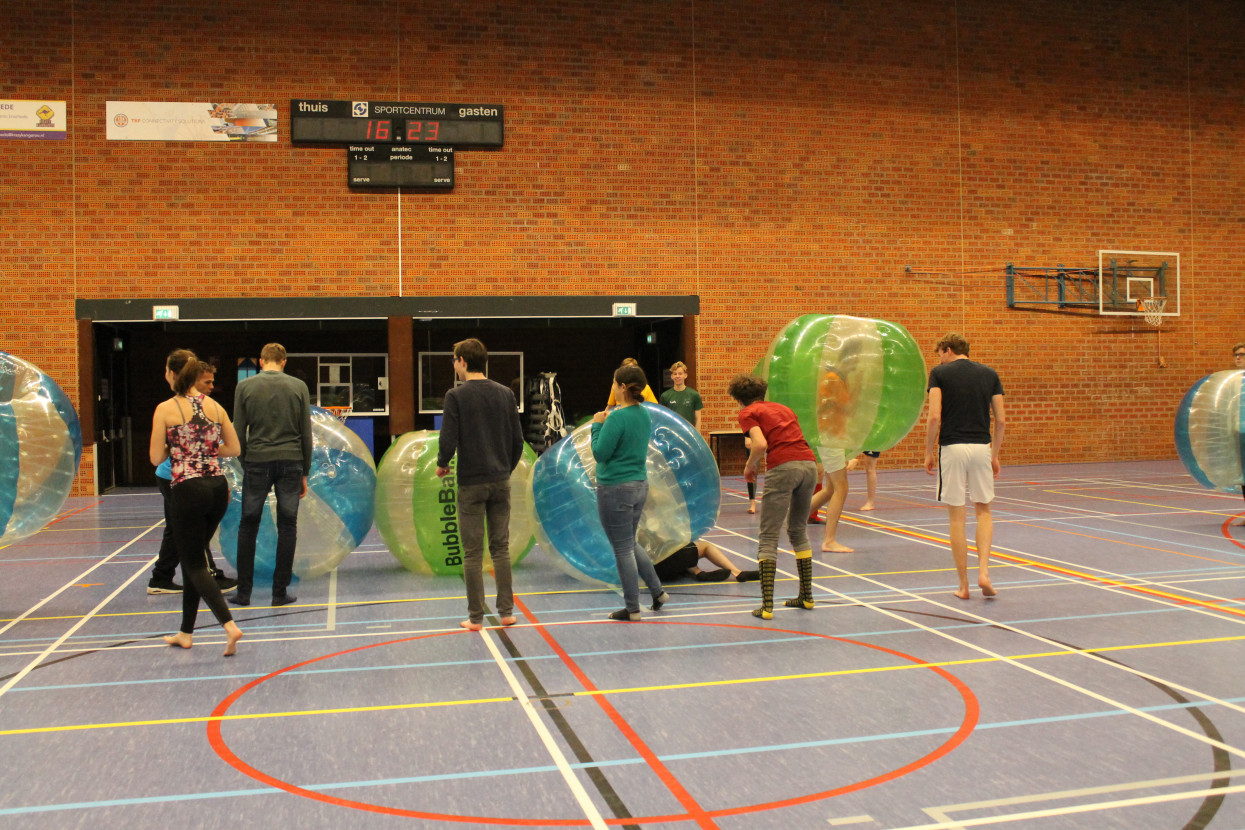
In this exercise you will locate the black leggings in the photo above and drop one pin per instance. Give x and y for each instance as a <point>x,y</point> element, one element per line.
<point>197,506</point>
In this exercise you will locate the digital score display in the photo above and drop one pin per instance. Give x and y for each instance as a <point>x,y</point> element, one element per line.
<point>396,122</point>
<point>392,165</point>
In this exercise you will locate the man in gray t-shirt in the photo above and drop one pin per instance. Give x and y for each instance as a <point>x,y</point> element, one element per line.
<point>272,414</point>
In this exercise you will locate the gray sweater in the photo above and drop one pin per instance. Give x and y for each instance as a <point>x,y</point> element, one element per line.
<point>272,414</point>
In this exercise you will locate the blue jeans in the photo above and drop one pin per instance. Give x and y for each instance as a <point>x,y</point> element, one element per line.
<point>619,506</point>
<point>259,477</point>
<point>476,503</point>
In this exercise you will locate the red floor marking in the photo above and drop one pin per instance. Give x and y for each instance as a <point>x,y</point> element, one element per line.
<point>1228,523</point>
<point>694,810</point>
<point>73,513</point>
<point>704,817</point>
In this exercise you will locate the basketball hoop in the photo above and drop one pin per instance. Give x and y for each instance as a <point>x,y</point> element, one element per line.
<point>1152,309</point>
<point>341,413</point>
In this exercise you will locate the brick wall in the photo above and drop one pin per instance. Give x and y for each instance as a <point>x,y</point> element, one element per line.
<point>776,159</point>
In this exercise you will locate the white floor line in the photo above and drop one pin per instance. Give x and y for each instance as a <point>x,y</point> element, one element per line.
<point>564,767</point>
<point>29,667</point>
<point>955,824</point>
<point>330,622</point>
<point>82,577</point>
<point>942,813</point>
<point>1024,666</point>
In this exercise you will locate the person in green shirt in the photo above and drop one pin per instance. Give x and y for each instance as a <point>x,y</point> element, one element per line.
<point>683,399</point>
<point>620,448</point>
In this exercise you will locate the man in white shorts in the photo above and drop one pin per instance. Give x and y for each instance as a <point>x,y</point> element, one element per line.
<point>962,397</point>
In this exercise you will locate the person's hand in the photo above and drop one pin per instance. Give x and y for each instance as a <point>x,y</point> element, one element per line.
<point>441,471</point>
<point>995,466</point>
<point>929,463</point>
<point>304,491</point>
<point>599,418</point>
<point>750,474</point>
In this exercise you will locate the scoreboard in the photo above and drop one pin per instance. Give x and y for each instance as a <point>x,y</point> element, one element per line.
<point>397,143</point>
<point>398,165</point>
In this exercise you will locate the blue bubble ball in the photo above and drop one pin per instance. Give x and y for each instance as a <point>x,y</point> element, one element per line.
<point>40,448</point>
<point>684,495</point>
<point>1210,431</point>
<point>333,518</point>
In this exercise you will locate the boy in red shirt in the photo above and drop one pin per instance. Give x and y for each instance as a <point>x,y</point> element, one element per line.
<point>790,475</point>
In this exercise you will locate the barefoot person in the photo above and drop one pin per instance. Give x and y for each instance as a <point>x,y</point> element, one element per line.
<point>195,431</point>
<point>962,397</point>
<point>481,425</point>
<point>832,496</point>
<point>871,476</point>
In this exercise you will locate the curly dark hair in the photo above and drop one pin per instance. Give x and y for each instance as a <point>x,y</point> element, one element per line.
<point>747,389</point>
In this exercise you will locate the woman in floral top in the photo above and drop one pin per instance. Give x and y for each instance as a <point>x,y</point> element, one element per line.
<point>196,432</point>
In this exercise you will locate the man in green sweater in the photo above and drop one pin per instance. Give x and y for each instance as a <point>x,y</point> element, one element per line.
<point>272,415</point>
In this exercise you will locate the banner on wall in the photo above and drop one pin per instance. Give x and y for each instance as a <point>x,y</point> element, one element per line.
<point>190,121</point>
<point>33,119</point>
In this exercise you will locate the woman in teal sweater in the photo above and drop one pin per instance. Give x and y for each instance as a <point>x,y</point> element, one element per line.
<point>620,447</point>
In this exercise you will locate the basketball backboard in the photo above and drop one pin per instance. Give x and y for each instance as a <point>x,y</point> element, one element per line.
<point>1125,278</point>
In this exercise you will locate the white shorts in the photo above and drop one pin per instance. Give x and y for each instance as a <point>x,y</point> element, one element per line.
<point>832,460</point>
<point>965,468</point>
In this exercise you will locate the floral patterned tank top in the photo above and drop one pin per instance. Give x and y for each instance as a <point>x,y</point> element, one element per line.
<point>193,444</point>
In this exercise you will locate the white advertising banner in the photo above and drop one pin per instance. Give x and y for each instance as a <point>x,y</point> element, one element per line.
<point>190,121</point>
<point>33,119</point>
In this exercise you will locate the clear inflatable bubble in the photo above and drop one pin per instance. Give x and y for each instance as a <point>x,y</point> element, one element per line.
<point>1210,431</point>
<point>854,384</point>
<point>40,448</point>
<point>684,494</point>
<point>334,516</point>
<point>417,513</point>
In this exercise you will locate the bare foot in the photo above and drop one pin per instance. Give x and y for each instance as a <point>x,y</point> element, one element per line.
<point>179,639</point>
<point>962,593</point>
<point>867,506</point>
<point>1237,523</point>
<point>232,635</point>
<point>752,508</point>
<point>509,620</point>
<point>834,547</point>
<point>987,590</point>
<point>470,626</point>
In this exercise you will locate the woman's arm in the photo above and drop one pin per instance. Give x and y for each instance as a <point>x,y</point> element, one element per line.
<point>159,448</point>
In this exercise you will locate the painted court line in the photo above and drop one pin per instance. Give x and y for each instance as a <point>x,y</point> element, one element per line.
<point>568,775</point>
<point>1046,675</point>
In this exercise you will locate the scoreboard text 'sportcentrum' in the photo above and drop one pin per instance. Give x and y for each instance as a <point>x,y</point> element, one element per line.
<point>396,122</point>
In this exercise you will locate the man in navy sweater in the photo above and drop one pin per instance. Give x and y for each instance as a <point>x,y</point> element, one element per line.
<point>481,424</point>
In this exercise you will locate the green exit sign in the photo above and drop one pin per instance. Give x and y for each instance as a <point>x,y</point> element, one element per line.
<point>164,312</point>
<point>624,309</point>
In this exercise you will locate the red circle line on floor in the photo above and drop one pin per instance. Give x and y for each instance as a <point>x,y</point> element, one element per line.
<point>967,725</point>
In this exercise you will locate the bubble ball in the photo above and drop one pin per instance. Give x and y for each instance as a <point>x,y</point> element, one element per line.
<point>684,494</point>
<point>40,448</point>
<point>854,383</point>
<point>417,513</point>
<point>1210,431</point>
<point>333,517</point>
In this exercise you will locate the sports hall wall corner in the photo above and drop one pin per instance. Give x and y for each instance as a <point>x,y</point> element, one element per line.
<point>877,158</point>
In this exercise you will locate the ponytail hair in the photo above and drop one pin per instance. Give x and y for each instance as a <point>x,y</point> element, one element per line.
<point>631,377</point>
<point>189,374</point>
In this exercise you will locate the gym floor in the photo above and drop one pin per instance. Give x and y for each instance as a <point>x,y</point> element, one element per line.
<point>1103,688</point>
